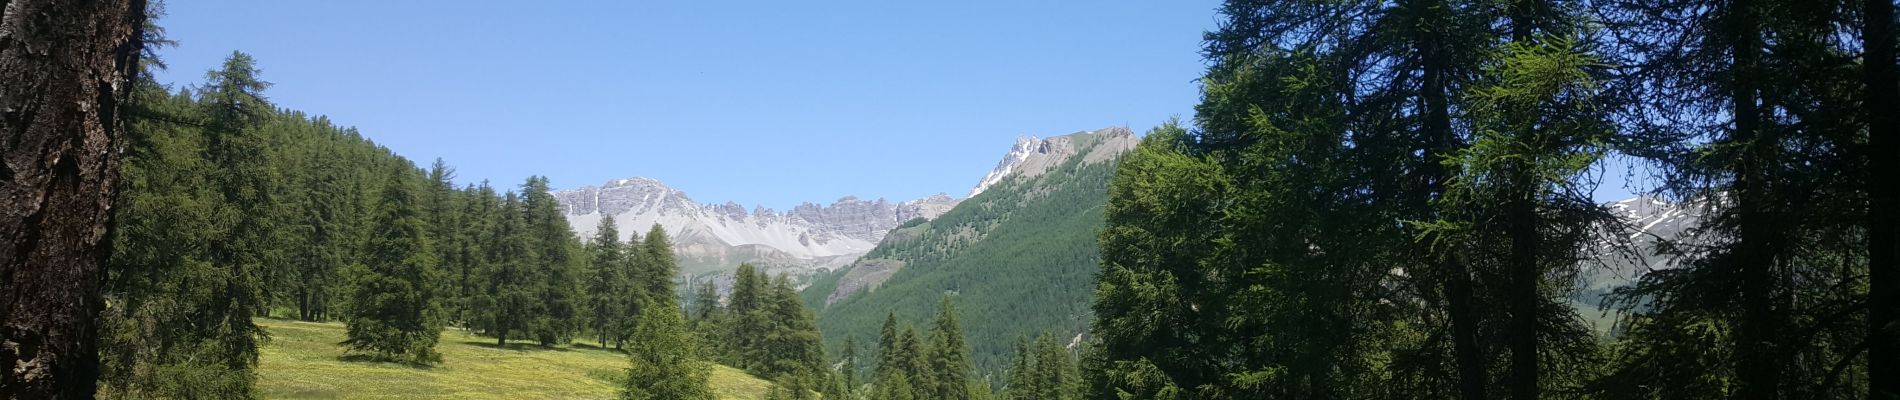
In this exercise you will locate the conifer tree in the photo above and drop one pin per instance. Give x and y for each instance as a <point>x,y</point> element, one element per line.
<point>706,306</point>
<point>949,358</point>
<point>848,373</point>
<point>393,312</point>
<point>481,213</point>
<point>894,386</point>
<point>505,307</point>
<point>633,267</point>
<point>551,262</point>
<point>606,283</point>
<point>660,264</point>
<point>662,353</point>
<point>910,359</point>
<point>886,347</point>
<point>440,202</point>
<point>791,348</point>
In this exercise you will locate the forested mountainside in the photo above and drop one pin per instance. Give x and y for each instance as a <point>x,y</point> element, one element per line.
<point>1020,255</point>
<point>234,212</point>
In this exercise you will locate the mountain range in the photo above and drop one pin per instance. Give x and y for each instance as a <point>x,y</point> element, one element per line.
<point>716,238</point>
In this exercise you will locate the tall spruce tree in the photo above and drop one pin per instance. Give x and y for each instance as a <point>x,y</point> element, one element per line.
<point>949,357</point>
<point>607,283</point>
<point>394,313</point>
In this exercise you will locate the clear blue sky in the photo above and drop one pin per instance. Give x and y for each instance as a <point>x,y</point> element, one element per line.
<point>768,103</point>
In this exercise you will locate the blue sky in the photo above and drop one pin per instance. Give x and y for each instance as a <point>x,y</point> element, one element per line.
<point>766,103</point>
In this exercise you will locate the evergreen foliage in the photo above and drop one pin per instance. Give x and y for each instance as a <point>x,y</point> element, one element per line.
<point>1392,199</point>
<point>664,358</point>
<point>1044,370</point>
<point>393,312</point>
<point>607,283</point>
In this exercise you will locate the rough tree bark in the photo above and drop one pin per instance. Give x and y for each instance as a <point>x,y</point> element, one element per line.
<point>65,66</point>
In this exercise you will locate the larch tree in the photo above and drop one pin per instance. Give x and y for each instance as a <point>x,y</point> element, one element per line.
<point>662,354</point>
<point>69,68</point>
<point>551,262</point>
<point>606,283</point>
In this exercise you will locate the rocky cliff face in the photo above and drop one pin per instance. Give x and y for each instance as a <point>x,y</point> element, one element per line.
<point>717,237</point>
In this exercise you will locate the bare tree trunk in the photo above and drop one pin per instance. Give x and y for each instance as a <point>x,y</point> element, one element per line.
<point>1883,243</point>
<point>65,66</point>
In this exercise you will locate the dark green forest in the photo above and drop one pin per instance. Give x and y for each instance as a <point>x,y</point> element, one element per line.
<point>1391,200</point>
<point>233,209</point>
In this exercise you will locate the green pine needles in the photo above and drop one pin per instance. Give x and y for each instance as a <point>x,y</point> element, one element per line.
<point>394,313</point>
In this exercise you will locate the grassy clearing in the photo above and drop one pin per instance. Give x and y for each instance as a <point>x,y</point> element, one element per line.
<point>302,361</point>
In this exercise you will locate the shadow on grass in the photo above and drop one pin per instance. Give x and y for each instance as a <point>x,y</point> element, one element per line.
<point>514,346</point>
<point>589,347</point>
<point>372,359</point>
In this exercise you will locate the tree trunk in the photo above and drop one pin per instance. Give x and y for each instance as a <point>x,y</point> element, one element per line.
<point>1757,343</point>
<point>1521,214</point>
<point>1883,243</point>
<point>1439,142</point>
<point>65,66</point>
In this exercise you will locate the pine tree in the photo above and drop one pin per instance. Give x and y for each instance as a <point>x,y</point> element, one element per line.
<point>505,307</point>
<point>606,283</point>
<point>441,203</point>
<point>886,347</point>
<point>633,266</point>
<point>663,364</point>
<point>848,373</point>
<point>949,357</point>
<point>894,386</point>
<point>660,263</point>
<point>706,303</point>
<point>481,213</point>
<point>394,313</point>
<point>794,344</point>
<point>747,319</point>
<point>551,262</point>
<point>911,360</point>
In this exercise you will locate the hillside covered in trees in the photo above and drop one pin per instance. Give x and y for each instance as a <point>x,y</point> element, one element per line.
<point>1021,254</point>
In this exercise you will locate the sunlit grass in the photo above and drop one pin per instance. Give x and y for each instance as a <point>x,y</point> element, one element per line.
<point>302,361</point>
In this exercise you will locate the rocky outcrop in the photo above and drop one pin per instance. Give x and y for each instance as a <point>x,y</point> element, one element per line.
<point>1031,157</point>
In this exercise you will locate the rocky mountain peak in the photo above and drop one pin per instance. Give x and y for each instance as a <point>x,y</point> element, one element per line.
<point>1031,156</point>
